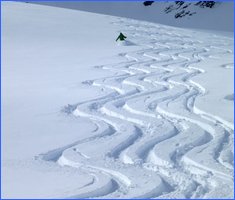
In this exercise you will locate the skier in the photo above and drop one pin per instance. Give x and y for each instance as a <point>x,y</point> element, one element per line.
<point>121,37</point>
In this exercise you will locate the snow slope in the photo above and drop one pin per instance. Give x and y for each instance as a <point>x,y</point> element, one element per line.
<point>150,118</point>
<point>220,17</point>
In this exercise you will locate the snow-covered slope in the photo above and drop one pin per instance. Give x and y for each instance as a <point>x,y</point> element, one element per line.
<point>86,117</point>
<point>219,17</point>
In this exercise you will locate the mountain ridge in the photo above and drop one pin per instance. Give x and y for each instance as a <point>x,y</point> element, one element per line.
<point>180,14</point>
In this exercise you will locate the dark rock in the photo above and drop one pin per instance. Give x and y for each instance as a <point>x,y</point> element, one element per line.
<point>148,3</point>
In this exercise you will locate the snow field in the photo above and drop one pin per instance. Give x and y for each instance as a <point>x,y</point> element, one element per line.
<point>147,131</point>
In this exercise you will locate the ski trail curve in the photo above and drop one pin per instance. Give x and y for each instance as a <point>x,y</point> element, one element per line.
<point>150,134</point>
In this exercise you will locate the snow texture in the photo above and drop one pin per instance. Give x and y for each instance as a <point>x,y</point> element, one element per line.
<point>86,117</point>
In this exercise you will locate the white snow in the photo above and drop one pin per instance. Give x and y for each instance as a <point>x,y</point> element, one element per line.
<point>219,18</point>
<point>86,117</point>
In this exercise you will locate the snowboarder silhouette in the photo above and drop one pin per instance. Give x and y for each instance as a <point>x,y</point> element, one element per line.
<point>121,37</point>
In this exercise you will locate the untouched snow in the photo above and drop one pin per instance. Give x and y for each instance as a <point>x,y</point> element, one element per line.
<point>220,17</point>
<point>86,117</point>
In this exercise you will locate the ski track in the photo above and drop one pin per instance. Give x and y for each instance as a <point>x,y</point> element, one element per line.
<point>150,134</point>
